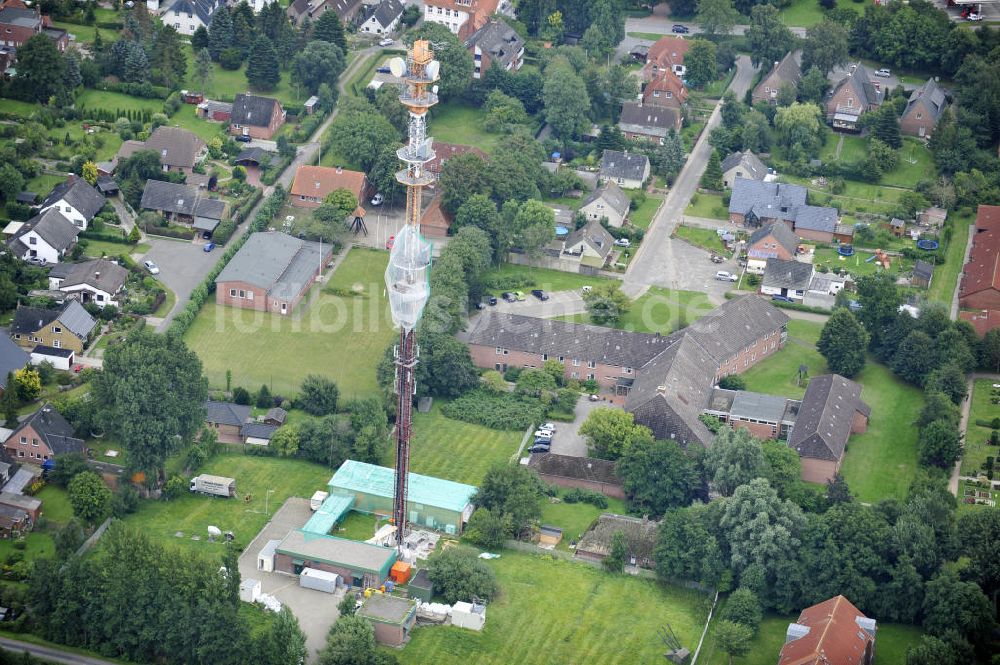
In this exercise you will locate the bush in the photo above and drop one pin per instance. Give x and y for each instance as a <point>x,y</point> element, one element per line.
<point>486,529</point>
<point>458,575</point>
<point>231,58</point>
<point>223,232</point>
<point>743,607</point>
<point>578,495</point>
<point>733,382</point>
<point>319,395</point>
<point>176,487</point>
<point>506,411</point>
<point>241,395</point>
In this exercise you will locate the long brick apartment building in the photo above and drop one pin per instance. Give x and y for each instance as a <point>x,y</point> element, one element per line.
<point>665,381</point>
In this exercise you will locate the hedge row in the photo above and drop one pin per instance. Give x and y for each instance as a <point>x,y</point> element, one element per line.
<point>307,126</point>
<point>272,174</point>
<point>104,237</point>
<point>168,232</point>
<point>243,209</point>
<point>144,90</point>
<point>504,411</point>
<point>200,294</point>
<point>223,232</point>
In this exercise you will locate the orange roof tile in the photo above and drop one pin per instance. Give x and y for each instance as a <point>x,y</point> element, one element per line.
<point>982,270</point>
<point>834,636</point>
<point>435,222</point>
<point>318,181</point>
<point>668,51</point>
<point>665,82</point>
<point>983,320</point>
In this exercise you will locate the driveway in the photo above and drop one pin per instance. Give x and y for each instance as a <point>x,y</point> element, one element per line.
<point>664,261</point>
<point>568,440</point>
<point>183,266</point>
<point>315,610</point>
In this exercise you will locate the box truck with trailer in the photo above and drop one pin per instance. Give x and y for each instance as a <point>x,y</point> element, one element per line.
<point>214,485</point>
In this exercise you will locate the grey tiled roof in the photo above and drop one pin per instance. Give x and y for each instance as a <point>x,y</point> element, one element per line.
<point>52,351</point>
<point>736,324</point>
<point>385,12</point>
<point>29,320</point>
<point>780,274</point>
<point>226,413</point>
<point>12,357</point>
<point>595,235</point>
<point>628,165</point>
<point>755,169</point>
<point>647,119</point>
<point>258,430</point>
<point>54,430</point>
<point>101,274</point>
<point>923,269</point>
<point>76,319</point>
<point>932,95</point>
<point>569,340</point>
<point>203,9</point>
<point>252,110</point>
<point>175,146</point>
<point>781,234</point>
<point>210,208</point>
<point>788,69</point>
<point>860,82</point>
<point>169,197</point>
<point>816,218</point>
<point>274,261</point>
<point>825,417</point>
<point>53,227</point>
<point>579,468</point>
<point>498,40</point>
<point>613,195</point>
<point>770,408</point>
<point>79,194</point>
<point>753,194</point>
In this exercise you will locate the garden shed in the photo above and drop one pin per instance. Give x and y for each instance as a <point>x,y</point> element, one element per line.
<point>432,502</point>
<point>392,617</point>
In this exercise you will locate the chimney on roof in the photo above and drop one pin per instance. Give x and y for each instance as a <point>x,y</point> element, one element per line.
<point>71,178</point>
<point>340,169</point>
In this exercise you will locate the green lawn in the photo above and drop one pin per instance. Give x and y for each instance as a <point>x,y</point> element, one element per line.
<point>43,184</point>
<point>55,505</point>
<point>186,119</point>
<point>807,13</point>
<point>575,518</point>
<point>856,197</point>
<point>458,123</point>
<point>101,248</point>
<point>858,264</point>
<point>946,275</point>
<point>707,239</point>
<point>456,450</point>
<point>716,88</point>
<point>226,84</point>
<point>18,108</point>
<point>340,337</point>
<point>85,33</point>
<point>709,206</point>
<point>554,611</point>
<point>879,463</point>
<point>890,644</point>
<point>977,446</point>
<point>38,546</point>
<point>915,164</point>
<point>356,526</point>
<point>508,278</point>
<point>651,36</point>
<point>192,514</point>
<point>102,99</point>
<point>658,310</point>
<point>642,216</point>
<point>855,148</point>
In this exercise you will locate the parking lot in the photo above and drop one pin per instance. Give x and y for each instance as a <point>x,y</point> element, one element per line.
<point>315,610</point>
<point>183,265</point>
<point>567,440</point>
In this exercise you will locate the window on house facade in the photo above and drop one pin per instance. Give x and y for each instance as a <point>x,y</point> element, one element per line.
<point>249,295</point>
<point>56,329</point>
<point>243,294</point>
<point>920,116</point>
<point>591,364</point>
<point>232,293</point>
<point>499,350</point>
<point>591,376</point>
<point>628,370</point>
<point>576,362</point>
<point>574,375</point>
<point>24,440</point>
<point>56,344</point>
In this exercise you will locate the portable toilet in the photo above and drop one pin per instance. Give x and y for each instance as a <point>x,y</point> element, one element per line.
<point>265,559</point>
<point>250,590</point>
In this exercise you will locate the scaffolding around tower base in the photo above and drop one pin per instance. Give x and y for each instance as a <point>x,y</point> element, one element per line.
<point>407,277</point>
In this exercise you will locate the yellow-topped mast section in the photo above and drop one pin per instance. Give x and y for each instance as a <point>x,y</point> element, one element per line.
<point>419,73</point>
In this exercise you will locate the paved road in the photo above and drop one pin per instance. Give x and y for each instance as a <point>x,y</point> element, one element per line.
<point>50,654</point>
<point>674,264</point>
<point>661,25</point>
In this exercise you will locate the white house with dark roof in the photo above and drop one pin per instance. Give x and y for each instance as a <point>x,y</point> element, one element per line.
<point>626,169</point>
<point>76,200</point>
<point>45,237</point>
<point>382,18</point>
<point>186,16</point>
<point>495,44</point>
<point>607,202</point>
<point>742,165</point>
<point>788,279</point>
<point>591,243</point>
<point>99,281</point>
<point>271,272</point>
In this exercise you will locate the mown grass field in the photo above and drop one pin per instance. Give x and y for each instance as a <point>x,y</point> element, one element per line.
<point>891,643</point>
<point>946,275</point>
<point>226,84</point>
<point>554,611</point>
<point>807,13</point>
<point>102,99</point>
<point>37,546</point>
<point>977,446</point>
<point>707,205</point>
<point>340,337</point>
<point>858,264</point>
<point>55,505</point>
<point>456,450</point>
<point>881,462</point>
<point>575,518</point>
<point>706,239</point>
<point>642,216</point>
<point>185,118</point>
<point>458,123</point>
<point>192,514</point>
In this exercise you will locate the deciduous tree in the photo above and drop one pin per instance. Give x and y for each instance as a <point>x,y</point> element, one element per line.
<point>285,441</point>
<point>90,497</point>
<point>825,47</point>
<point>939,445</point>
<point>657,476</point>
<point>701,62</point>
<point>318,63</point>
<point>717,16</point>
<point>606,304</point>
<point>734,459</point>
<point>459,575</point>
<point>615,560</point>
<point>733,638</point>
<point>566,100</point>
<point>769,39</point>
<point>41,69</point>
<point>609,432</point>
<point>844,343</point>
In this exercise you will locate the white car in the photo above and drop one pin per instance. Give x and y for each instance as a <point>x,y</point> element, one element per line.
<point>548,427</point>
<point>377,199</point>
<point>623,242</point>
<point>386,42</point>
<point>151,267</point>
<point>543,434</point>
<point>724,276</point>
<point>884,73</point>
<point>974,17</point>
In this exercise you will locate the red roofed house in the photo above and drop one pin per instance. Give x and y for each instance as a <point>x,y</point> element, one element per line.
<point>983,320</point>
<point>313,183</point>
<point>667,54</point>
<point>665,90</point>
<point>833,632</point>
<point>980,287</point>
<point>435,221</point>
<point>19,23</point>
<point>462,17</point>
<point>445,151</point>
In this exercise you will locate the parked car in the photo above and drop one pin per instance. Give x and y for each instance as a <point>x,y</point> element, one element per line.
<point>243,138</point>
<point>548,427</point>
<point>541,442</point>
<point>386,42</point>
<point>594,398</point>
<point>680,29</point>
<point>480,305</point>
<point>378,199</point>
<point>543,434</point>
<point>725,276</point>
<point>390,242</point>
<point>492,300</point>
<point>508,297</point>
<point>209,246</point>
<point>539,449</point>
<point>884,73</point>
<point>36,260</point>
<point>781,299</point>
<point>623,242</point>
<point>151,267</point>
<point>382,70</point>
<point>974,17</point>
<point>519,295</point>
<point>541,295</point>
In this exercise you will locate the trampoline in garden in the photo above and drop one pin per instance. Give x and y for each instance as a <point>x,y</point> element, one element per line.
<point>846,250</point>
<point>561,231</point>
<point>928,245</point>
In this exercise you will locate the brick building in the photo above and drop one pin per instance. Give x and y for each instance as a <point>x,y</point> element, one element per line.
<point>581,472</point>
<point>831,410</point>
<point>495,44</point>
<point>774,241</point>
<point>786,72</point>
<point>227,420</point>
<point>858,92</point>
<point>755,203</point>
<point>271,272</point>
<point>665,55</point>
<point>68,327</point>
<point>980,285</point>
<point>313,183</point>
<point>19,23</point>
<point>42,436</point>
<point>927,104</point>
<point>256,117</point>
